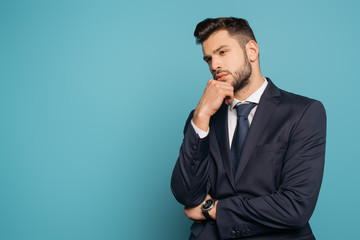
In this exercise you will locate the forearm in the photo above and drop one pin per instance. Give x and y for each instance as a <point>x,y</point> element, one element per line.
<point>282,210</point>
<point>288,208</point>
<point>189,182</point>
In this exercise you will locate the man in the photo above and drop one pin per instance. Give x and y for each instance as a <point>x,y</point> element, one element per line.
<point>251,162</point>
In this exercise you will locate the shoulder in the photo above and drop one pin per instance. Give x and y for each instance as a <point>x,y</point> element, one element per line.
<point>298,102</point>
<point>292,106</point>
<point>304,113</point>
<point>295,98</point>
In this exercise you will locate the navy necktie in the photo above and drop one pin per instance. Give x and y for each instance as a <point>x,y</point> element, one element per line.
<point>240,133</point>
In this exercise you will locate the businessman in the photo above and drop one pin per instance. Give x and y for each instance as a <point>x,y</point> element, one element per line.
<point>251,162</point>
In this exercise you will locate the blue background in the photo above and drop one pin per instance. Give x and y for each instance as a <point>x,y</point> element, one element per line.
<point>94,96</point>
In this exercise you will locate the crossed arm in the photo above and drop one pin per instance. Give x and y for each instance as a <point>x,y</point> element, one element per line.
<point>289,207</point>
<point>195,213</point>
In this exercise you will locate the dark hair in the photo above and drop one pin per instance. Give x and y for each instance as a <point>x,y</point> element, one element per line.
<point>237,27</point>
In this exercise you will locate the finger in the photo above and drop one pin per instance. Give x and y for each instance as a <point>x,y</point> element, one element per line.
<point>229,100</point>
<point>227,88</point>
<point>227,93</point>
<point>229,97</point>
<point>219,83</point>
<point>213,82</point>
<point>224,83</point>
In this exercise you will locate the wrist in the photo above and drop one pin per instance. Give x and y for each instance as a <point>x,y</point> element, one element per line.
<point>212,211</point>
<point>207,209</point>
<point>201,120</point>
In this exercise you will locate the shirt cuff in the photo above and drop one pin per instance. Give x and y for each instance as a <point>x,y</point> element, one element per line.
<point>199,132</point>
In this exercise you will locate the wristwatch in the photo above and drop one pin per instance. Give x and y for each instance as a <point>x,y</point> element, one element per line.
<point>206,207</point>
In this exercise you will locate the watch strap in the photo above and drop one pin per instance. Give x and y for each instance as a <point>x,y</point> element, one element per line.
<point>207,215</point>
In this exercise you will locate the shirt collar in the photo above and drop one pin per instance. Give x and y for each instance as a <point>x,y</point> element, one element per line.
<point>254,98</point>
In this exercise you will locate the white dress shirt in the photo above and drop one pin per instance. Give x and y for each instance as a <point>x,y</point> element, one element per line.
<point>232,114</point>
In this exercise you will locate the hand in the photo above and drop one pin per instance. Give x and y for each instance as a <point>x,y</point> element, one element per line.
<point>214,95</point>
<point>195,213</point>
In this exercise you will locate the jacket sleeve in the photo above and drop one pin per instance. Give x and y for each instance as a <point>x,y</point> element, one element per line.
<point>189,181</point>
<point>292,205</point>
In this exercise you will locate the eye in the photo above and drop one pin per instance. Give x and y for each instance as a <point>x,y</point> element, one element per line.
<point>222,52</point>
<point>207,60</point>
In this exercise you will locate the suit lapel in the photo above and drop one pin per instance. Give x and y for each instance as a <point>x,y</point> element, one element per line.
<point>222,135</point>
<point>268,102</point>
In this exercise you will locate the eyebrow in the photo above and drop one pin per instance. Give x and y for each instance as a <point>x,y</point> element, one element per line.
<point>219,48</point>
<point>206,57</point>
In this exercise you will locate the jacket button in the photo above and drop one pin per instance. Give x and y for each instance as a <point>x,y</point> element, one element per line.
<point>232,233</point>
<point>194,147</point>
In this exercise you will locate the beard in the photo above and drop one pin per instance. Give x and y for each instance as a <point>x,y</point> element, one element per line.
<point>241,75</point>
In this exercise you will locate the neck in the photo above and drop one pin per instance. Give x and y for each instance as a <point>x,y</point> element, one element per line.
<point>255,82</point>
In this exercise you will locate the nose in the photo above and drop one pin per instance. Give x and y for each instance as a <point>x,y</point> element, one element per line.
<point>215,64</point>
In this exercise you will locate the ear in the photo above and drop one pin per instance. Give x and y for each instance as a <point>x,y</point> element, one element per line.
<point>252,50</point>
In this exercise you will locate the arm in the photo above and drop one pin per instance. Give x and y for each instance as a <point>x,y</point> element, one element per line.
<point>292,205</point>
<point>189,182</point>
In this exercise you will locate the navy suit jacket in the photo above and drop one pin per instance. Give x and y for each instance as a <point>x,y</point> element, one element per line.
<point>275,189</point>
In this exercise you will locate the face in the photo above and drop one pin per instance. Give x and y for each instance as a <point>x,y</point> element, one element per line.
<point>227,60</point>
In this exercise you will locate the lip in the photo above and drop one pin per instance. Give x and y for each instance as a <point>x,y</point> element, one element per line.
<point>220,76</point>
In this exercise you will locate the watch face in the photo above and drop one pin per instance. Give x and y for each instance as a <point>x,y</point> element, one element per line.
<point>208,204</point>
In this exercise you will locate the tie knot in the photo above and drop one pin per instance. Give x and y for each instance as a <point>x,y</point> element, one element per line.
<point>244,109</point>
